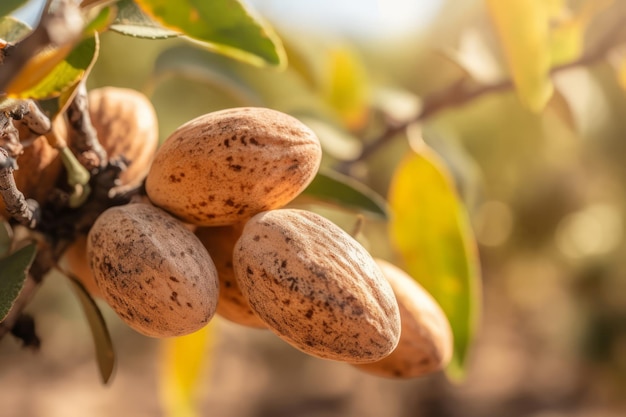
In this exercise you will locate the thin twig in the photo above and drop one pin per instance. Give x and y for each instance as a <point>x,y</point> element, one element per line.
<point>459,94</point>
<point>84,138</point>
<point>19,208</point>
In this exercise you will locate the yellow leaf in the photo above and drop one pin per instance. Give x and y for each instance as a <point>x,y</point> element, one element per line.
<point>183,358</point>
<point>523,30</point>
<point>430,229</point>
<point>37,69</point>
<point>346,89</point>
<point>567,38</point>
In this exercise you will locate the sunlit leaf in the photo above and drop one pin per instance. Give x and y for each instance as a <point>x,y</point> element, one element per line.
<point>347,87</point>
<point>430,229</point>
<point>13,272</point>
<point>345,192</point>
<point>132,21</point>
<point>523,30</point>
<point>13,30</point>
<point>6,237</point>
<point>567,38</point>
<point>105,353</point>
<point>224,26</point>
<point>183,358</point>
<point>7,6</point>
<point>53,71</point>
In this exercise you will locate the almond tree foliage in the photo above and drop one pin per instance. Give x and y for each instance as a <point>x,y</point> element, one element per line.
<point>424,205</point>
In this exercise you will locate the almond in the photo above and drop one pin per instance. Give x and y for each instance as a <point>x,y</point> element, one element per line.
<point>127,126</point>
<point>316,287</point>
<point>152,271</point>
<point>426,339</point>
<point>232,305</point>
<point>223,167</point>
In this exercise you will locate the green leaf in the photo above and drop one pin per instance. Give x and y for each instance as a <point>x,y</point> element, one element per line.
<point>131,21</point>
<point>14,269</point>
<point>523,30</point>
<point>46,77</point>
<point>345,192</point>
<point>105,353</point>
<point>430,229</point>
<point>13,30</point>
<point>6,237</point>
<point>183,359</point>
<point>7,6</point>
<point>224,26</point>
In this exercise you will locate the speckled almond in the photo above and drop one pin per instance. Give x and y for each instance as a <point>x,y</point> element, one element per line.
<point>127,125</point>
<point>223,167</point>
<point>316,287</point>
<point>152,271</point>
<point>426,339</point>
<point>231,305</point>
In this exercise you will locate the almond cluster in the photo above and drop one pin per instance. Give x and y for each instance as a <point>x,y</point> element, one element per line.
<point>215,235</point>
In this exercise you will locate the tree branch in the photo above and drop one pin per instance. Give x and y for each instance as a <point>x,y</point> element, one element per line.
<point>460,93</point>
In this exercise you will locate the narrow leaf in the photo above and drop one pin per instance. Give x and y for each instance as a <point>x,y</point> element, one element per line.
<point>523,30</point>
<point>105,354</point>
<point>345,192</point>
<point>13,30</point>
<point>347,87</point>
<point>430,230</point>
<point>183,359</point>
<point>224,26</point>
<point>7,6</point>
<point>13,272</point>
<point>52,72</point>
<point>132,21</point>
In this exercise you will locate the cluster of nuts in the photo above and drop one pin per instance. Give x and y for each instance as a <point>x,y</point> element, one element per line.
<point>215,235</point>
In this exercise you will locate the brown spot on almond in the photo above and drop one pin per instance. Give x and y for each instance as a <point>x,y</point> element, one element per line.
<point>213,151</point>
<point>343,308</point>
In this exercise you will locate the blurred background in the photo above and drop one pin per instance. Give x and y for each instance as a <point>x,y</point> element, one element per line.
<point>545,193</point>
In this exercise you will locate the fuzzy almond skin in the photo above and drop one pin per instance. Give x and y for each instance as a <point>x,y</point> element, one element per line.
<point>316,287</point>
<point>232,305</point>
<point>152,271</point>
<point>126,123</point>
<point>223,167</point>
<point>426,342</point>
